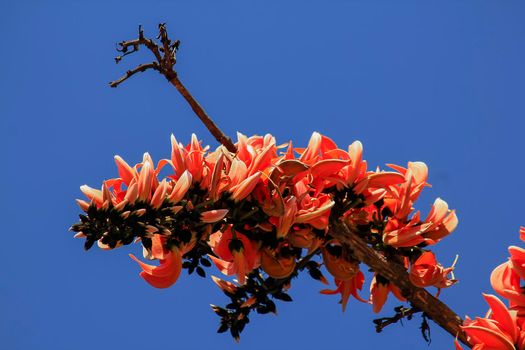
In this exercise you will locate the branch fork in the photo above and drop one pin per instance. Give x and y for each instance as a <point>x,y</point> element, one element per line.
<point>165,52</point>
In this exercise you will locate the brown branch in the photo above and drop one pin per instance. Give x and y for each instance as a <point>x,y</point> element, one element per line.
<point>166,56</point>
<point>140,68</point>
<point>206,120</point>
<point>396,274</point>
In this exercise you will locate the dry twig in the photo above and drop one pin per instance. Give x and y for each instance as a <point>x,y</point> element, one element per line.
<point>166,56</point>
<point>401,313</point>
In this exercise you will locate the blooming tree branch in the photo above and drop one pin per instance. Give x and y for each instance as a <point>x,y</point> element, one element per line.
<point>266,216</point>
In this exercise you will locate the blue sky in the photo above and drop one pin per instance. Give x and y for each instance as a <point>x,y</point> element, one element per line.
<point>436,81</point>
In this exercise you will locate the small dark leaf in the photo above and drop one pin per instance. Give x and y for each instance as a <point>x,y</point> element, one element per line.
<point>219,310</point>
<point>271,306</point>
<point>200,271</point>
<point>88,244</point>
<point>315,273</point>
<point>425,329</point>
<point>223,328</point>
<point>76,227</point>
<point>241,324</point>
<point>205,262</point>
<point>235,333</point>
<point>263,310</point>
<point>282,296</point>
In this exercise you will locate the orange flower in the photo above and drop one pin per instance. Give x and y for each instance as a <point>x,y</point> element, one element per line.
<point>348,288</point>
<point>404,195</point>
<point>439,223</point>
<point>277,266</point>
<point>317,147</point>
<point>236,253</point>
<point>313,210</point>
<point>522,233</point>
<point>245,188</point>
<point>336,264</point>
<point>285,222</point>
<point>141,181</point>
<point>181,187</point>
<point>506,282</point>
<point>426,272</point>
<point>195,158</point>
<point>517,260</point>
<point>379,290</point>
<point>178,157</point>
<point>167,273</point>
<point>499,330</point>
<point>443,221</point>
<point>304,238</point>
<point>256,152</point>
<point>399,234</point>
<point>357,167</point>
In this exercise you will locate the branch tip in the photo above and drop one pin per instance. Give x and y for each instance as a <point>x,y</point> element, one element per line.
<point>165,54</point>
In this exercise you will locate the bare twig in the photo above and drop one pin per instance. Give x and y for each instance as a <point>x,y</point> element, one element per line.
<point>206,120</point>
<point>166,56</point>
<point>401,312</point>
<point>140,68</point>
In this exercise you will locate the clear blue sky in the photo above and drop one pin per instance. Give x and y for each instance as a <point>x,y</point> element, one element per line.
<point>437,81</point>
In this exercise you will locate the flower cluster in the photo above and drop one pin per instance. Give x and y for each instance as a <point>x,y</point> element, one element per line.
<point>503,328</point>
<point>265,213</point>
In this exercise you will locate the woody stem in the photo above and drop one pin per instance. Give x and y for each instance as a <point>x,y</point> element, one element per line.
<point>434,308</point>
<point>201,114</point>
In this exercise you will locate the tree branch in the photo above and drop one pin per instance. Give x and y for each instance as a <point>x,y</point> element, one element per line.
<point>397,274</point>
<point>140,68</point>
<point>203,116</point>
<point>166,56</point>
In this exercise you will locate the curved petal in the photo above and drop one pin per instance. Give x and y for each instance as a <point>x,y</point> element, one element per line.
<point>242,190</point>
<point>182,186</point>
<point>125,172</point>
<point>212,216</point>
<point>501,314</point>
<point>517,258</point>
<point>385,179</point>
<point>489,337</point>
<point>164,275</point>
<point>328,167</point>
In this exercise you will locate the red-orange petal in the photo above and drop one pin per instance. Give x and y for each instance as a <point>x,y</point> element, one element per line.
<point>490,338</point>
<point>501,314</point>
